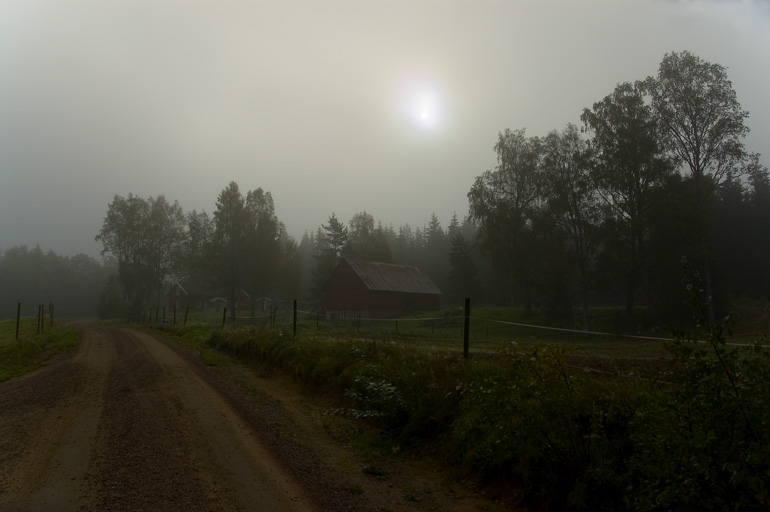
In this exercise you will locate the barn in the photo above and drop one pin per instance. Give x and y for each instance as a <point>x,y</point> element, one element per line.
<point>376,289</point>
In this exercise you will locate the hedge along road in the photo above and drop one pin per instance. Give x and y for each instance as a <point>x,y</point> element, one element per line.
<point>132,422</point>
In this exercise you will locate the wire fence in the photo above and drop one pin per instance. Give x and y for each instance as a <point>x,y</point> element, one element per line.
<point>445,331</point>
<point>43,320</point>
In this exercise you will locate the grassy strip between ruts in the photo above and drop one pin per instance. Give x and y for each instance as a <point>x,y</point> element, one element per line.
<point>32,349</point>
<point>692,437</point>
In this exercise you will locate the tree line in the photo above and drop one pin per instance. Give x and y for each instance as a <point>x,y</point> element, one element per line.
<point>601,212</point>
<point>657,171</point>
<point>30,276</point>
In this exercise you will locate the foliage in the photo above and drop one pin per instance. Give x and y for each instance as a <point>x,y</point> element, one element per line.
<point>529,417</point>
<point>246,242</point>
<point>31,350</point>
<point>506,205</point>
<point>462,269</point>
<point>704,443</point>
<point>199,248</point>
<point>365,241</point>
<point>698,110</point>
<point>703,125</point>
<point>146,237</point>
<point>327,250</point>
<point>693,438</point>
<point>573,204</point>
<point>630,167</point>
<point>31,276</point>
<point>111,304</point>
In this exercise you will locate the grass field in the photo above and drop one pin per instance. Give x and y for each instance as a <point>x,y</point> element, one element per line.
<point>612,335</point>
<point>684,415</point>
<point>32,349</point>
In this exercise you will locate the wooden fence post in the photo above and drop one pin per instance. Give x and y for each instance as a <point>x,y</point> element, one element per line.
<point>39,318</point>
<point>18,318</point>
<point>466,326</point>
<point>224,316</point>
<point>186,310</point>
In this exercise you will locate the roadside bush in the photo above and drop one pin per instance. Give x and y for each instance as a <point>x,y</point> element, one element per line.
<point>697,438</point>
<point>559,433</point>
<point>704,443</point>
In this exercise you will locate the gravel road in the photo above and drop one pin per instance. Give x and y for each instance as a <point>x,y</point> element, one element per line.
<point>133,422</point>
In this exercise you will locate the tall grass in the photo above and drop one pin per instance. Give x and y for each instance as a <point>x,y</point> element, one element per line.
<point>570,439</point>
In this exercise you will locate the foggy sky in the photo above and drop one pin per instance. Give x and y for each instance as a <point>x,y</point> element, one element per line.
<point>318,102</point>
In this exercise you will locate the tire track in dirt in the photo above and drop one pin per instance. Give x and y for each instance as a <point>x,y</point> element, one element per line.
<point>48,423</point>
<point>169,442</point>
<point>128,423</point>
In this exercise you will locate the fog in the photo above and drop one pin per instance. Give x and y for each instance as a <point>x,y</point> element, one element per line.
<point>391,107</point>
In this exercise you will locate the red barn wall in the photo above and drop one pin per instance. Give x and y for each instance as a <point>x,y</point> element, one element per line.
<point>346,292</point>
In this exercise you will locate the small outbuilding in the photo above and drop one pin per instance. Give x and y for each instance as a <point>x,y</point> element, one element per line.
<point>186,294</point>
<point>378,289</point>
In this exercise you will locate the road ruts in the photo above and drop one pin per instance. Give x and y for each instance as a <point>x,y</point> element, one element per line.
<point>126,424</point>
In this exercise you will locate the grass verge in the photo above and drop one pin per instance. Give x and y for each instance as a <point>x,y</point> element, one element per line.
<point>32,349</point>
<point>691,435</point>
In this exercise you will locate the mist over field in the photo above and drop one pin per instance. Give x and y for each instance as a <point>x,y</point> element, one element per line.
<point>391,108</point>
<point>574,195</point>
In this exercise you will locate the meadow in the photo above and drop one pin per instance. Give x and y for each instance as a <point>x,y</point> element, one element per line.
<point>558,423</point>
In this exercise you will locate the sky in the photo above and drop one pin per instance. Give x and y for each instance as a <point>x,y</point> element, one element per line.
<point>386,106</point>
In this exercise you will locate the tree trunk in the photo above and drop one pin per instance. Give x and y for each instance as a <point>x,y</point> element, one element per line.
<point>707,285</point>
<point>630,285</point>
<point>527,298</point>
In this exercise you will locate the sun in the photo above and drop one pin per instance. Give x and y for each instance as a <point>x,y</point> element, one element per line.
<point>419,101</point>
<point>425,107</point>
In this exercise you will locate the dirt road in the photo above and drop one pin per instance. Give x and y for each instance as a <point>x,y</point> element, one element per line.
<point>133,422</point>
<point>130,423</point>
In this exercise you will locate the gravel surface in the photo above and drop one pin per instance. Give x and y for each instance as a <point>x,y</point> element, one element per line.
<point>134,422</point>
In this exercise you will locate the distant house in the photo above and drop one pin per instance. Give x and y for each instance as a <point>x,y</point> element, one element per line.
<point>377,289</point>
<point>272,304</point>
<point>185,294</point>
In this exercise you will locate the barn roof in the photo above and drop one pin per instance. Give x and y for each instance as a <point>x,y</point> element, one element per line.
<point>390,277</point>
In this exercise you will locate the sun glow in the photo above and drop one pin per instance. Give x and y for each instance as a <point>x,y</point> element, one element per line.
<point>418,101</point>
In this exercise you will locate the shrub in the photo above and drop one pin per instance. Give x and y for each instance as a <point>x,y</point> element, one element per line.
<point>557,432</point>
<point>703,442</point>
